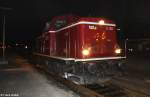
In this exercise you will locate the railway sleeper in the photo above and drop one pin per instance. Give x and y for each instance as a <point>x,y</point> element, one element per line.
<point>108,90</point>
<point>115,94</point>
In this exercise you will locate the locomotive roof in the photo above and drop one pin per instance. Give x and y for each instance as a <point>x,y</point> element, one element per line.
<point>67,20</point>
<point>82,18</point>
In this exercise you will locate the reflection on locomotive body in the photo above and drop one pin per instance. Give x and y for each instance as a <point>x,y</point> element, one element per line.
<point>80,48</point>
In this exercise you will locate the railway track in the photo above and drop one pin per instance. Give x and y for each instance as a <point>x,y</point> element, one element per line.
<point>132,87</point>
<point>96,90</point>
<point>108,90</point>
<point>112,89</point>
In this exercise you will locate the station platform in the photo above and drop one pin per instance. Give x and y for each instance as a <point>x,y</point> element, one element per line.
<point>19,79</point>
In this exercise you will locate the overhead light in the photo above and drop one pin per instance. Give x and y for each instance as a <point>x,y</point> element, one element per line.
<point>26,46</point>
<point>101,22</point>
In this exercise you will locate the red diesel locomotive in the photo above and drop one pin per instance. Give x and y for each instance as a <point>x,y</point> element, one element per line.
<point>83,49</point>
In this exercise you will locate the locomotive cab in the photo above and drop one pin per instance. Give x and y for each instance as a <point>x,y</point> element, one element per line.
<point>98,39</point>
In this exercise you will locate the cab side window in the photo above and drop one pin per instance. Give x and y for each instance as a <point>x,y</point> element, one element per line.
<point>60,23</point>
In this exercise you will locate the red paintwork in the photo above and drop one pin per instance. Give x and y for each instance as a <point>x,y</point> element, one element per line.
<point>69,42</point>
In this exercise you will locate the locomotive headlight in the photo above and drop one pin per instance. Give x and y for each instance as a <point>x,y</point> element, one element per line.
<point>118,51</point>
<point>85,52</point>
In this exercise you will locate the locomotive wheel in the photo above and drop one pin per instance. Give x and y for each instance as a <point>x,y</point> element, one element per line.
<point>93,68</point>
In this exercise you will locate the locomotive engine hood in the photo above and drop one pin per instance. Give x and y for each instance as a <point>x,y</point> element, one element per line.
<point>99,38</point>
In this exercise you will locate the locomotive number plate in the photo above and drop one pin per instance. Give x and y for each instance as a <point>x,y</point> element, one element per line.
<point>93,27</point>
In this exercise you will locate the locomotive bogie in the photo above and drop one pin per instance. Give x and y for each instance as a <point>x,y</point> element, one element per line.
<point>86,72</point>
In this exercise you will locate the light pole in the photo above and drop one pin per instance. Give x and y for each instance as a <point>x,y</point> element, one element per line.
<point>3,42</point>
<point>3,47</point>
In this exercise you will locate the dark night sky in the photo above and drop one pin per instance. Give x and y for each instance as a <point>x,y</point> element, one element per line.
<point>28,17</point>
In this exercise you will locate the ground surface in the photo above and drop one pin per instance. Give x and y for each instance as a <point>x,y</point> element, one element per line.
<point>18,78</point>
